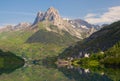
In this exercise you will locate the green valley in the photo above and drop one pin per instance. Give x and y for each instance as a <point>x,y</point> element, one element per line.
<point>57,49</point>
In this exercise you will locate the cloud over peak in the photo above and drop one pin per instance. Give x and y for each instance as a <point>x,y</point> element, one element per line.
<point>112,15</point>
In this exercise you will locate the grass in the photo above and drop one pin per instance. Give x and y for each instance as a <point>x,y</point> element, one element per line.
<point>109,58</point>
<point>15,42</point>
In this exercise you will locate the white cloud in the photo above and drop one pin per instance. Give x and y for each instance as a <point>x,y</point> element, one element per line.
<point>112,15</point>
<point>90,15</point>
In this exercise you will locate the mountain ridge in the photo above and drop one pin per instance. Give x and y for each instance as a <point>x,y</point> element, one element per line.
<point>98,41</point>
<point>51,18</point>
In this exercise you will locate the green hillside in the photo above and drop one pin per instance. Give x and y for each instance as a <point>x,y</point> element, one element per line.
<point>43,36</point>
<point>109,58</point>
<point>15,41</point>
<point>32,44</point>
<point>98,41</point>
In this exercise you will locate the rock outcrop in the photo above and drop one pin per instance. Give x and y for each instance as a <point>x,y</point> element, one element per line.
<point>53,17</point>
<point>53,22</point>
<point>22,26</point>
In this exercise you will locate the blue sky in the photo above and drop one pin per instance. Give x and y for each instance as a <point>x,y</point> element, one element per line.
<point>16,11</point>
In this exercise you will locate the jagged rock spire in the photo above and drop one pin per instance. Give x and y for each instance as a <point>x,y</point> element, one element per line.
<point>39,17</point>
<point>51,15</point>
<point>52,9</point>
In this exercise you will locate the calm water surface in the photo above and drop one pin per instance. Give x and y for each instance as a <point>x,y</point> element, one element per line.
<point>46,70</point>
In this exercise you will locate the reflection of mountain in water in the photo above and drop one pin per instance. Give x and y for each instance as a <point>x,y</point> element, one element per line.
<point>79,74</point>
<point>75,74</point>
<point>9,62</point>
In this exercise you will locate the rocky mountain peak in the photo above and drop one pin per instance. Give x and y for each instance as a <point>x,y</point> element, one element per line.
<point>51,15</point>
<point>6,28</point>
<point>52,10</point>
<point>40,13</point>
<point>53,22</point>
<point>39,17</point>
<point>22,25</point>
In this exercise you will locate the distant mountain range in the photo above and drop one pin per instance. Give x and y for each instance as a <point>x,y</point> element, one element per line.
<point>101,40</point>
<point>53,22</point>
<point>82,24</point>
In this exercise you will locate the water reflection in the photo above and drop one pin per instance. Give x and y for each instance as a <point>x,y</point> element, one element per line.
<point>9,62</point>
<point>80,74</point>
